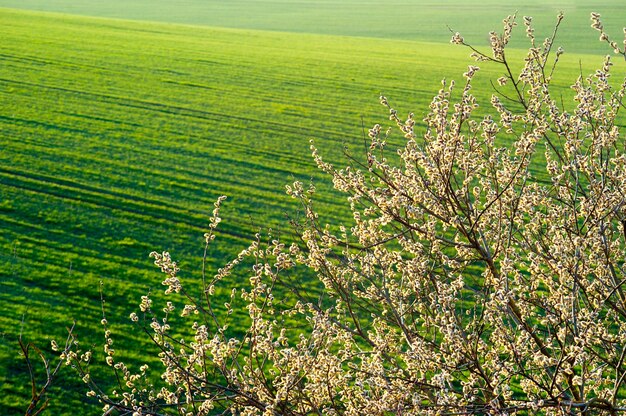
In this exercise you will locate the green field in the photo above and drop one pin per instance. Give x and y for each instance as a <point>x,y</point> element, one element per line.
<point>116,137</point>
<point>394,19</point>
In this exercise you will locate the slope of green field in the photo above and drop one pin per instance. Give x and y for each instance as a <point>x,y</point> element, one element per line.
<point>399,19</point>
<point>116,137</point>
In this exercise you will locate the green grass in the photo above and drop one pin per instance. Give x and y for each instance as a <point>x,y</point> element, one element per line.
<point>397,19</point>
<point>117,136</point>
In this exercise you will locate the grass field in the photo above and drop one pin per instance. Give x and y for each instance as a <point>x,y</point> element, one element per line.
<point>117,136</point>
<point>397,19</point>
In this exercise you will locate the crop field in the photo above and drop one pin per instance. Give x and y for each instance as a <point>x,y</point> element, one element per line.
<point>116,137</point>
<point>393,19</point>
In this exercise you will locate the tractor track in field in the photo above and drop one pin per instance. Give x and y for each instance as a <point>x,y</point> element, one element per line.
<point>100,197</point>
<point>172,109</point>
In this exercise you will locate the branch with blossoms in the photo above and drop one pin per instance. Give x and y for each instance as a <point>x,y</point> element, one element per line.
<point>482,271</point>
<point>39,400</point>
<point>596,23</point>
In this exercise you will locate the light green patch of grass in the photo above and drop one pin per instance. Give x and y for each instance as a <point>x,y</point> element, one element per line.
<point>398,19</point>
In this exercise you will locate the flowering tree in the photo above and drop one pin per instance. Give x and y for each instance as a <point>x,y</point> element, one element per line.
<point>469,282</point>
